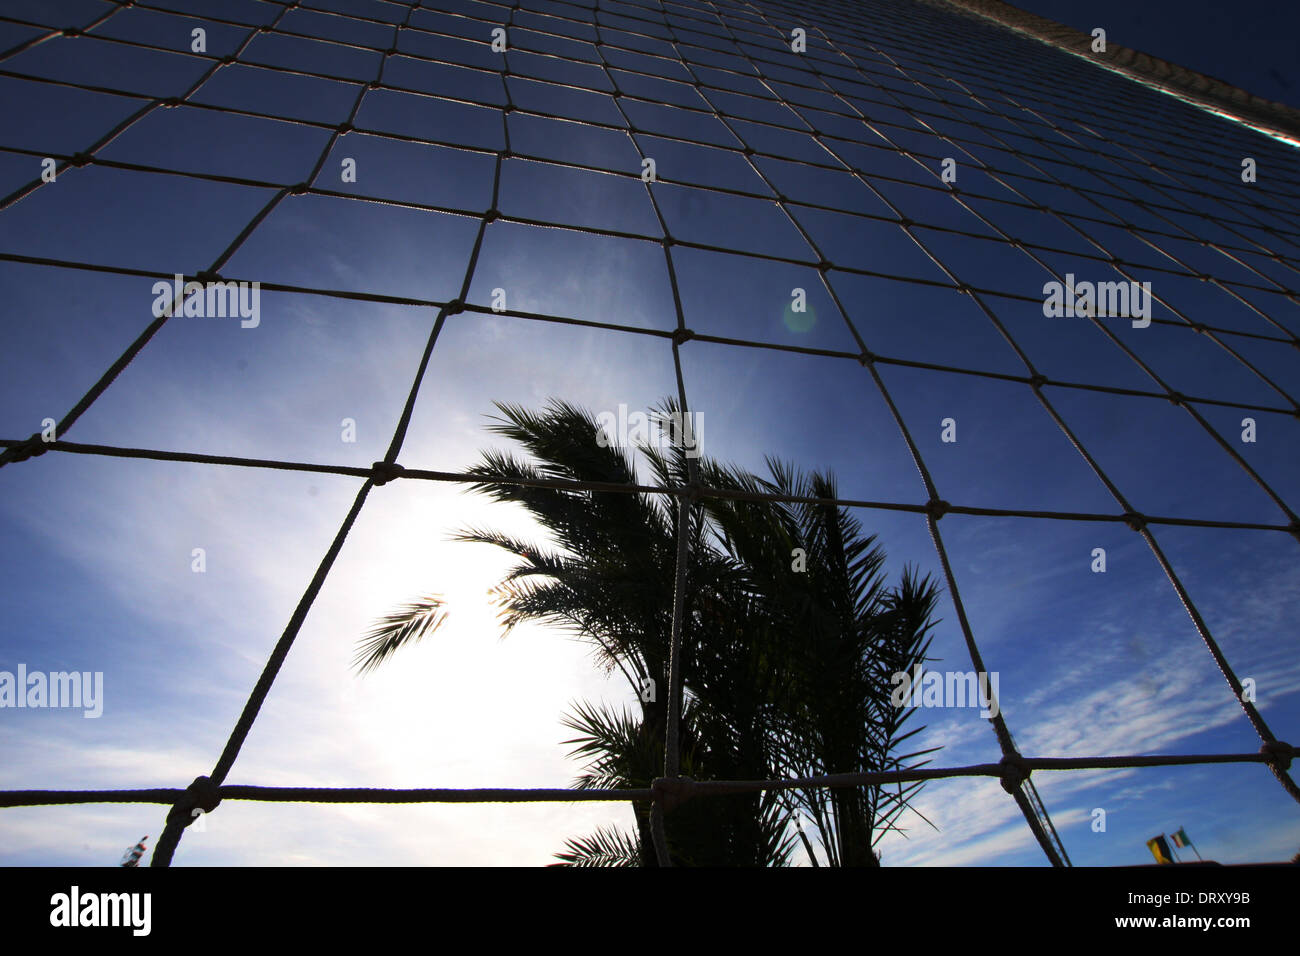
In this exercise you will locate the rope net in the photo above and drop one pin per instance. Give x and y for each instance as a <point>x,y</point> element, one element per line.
<point>813,138</point>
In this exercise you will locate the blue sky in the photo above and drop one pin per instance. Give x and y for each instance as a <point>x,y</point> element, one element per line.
<point>96,552</point>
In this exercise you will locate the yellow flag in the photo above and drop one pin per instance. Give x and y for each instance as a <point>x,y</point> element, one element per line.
<point>1160,849</point>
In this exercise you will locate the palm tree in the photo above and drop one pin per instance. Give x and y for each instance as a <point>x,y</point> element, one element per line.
<point>830,634</point>
<point>789,638</point>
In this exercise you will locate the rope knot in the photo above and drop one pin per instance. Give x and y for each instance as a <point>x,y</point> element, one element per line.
<point>936,508</point>
<point>672,792</point>
<point>30,448</point>
<point>1014,772</point>
<point>1279,754</point>
<point>382,472</point>
<point>1135,521</point>
<point>202,794</point>
<point>693,491</point>
<point>682,336</point>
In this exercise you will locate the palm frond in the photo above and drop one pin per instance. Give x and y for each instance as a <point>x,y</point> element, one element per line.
<point>606,847</point>
<point>406,625</point>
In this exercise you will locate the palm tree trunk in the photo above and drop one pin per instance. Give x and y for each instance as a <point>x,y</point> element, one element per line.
<point>853,829</point>
<point>653,719</point>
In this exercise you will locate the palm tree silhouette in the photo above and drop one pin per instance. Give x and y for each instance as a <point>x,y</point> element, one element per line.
<point>789,639</point>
